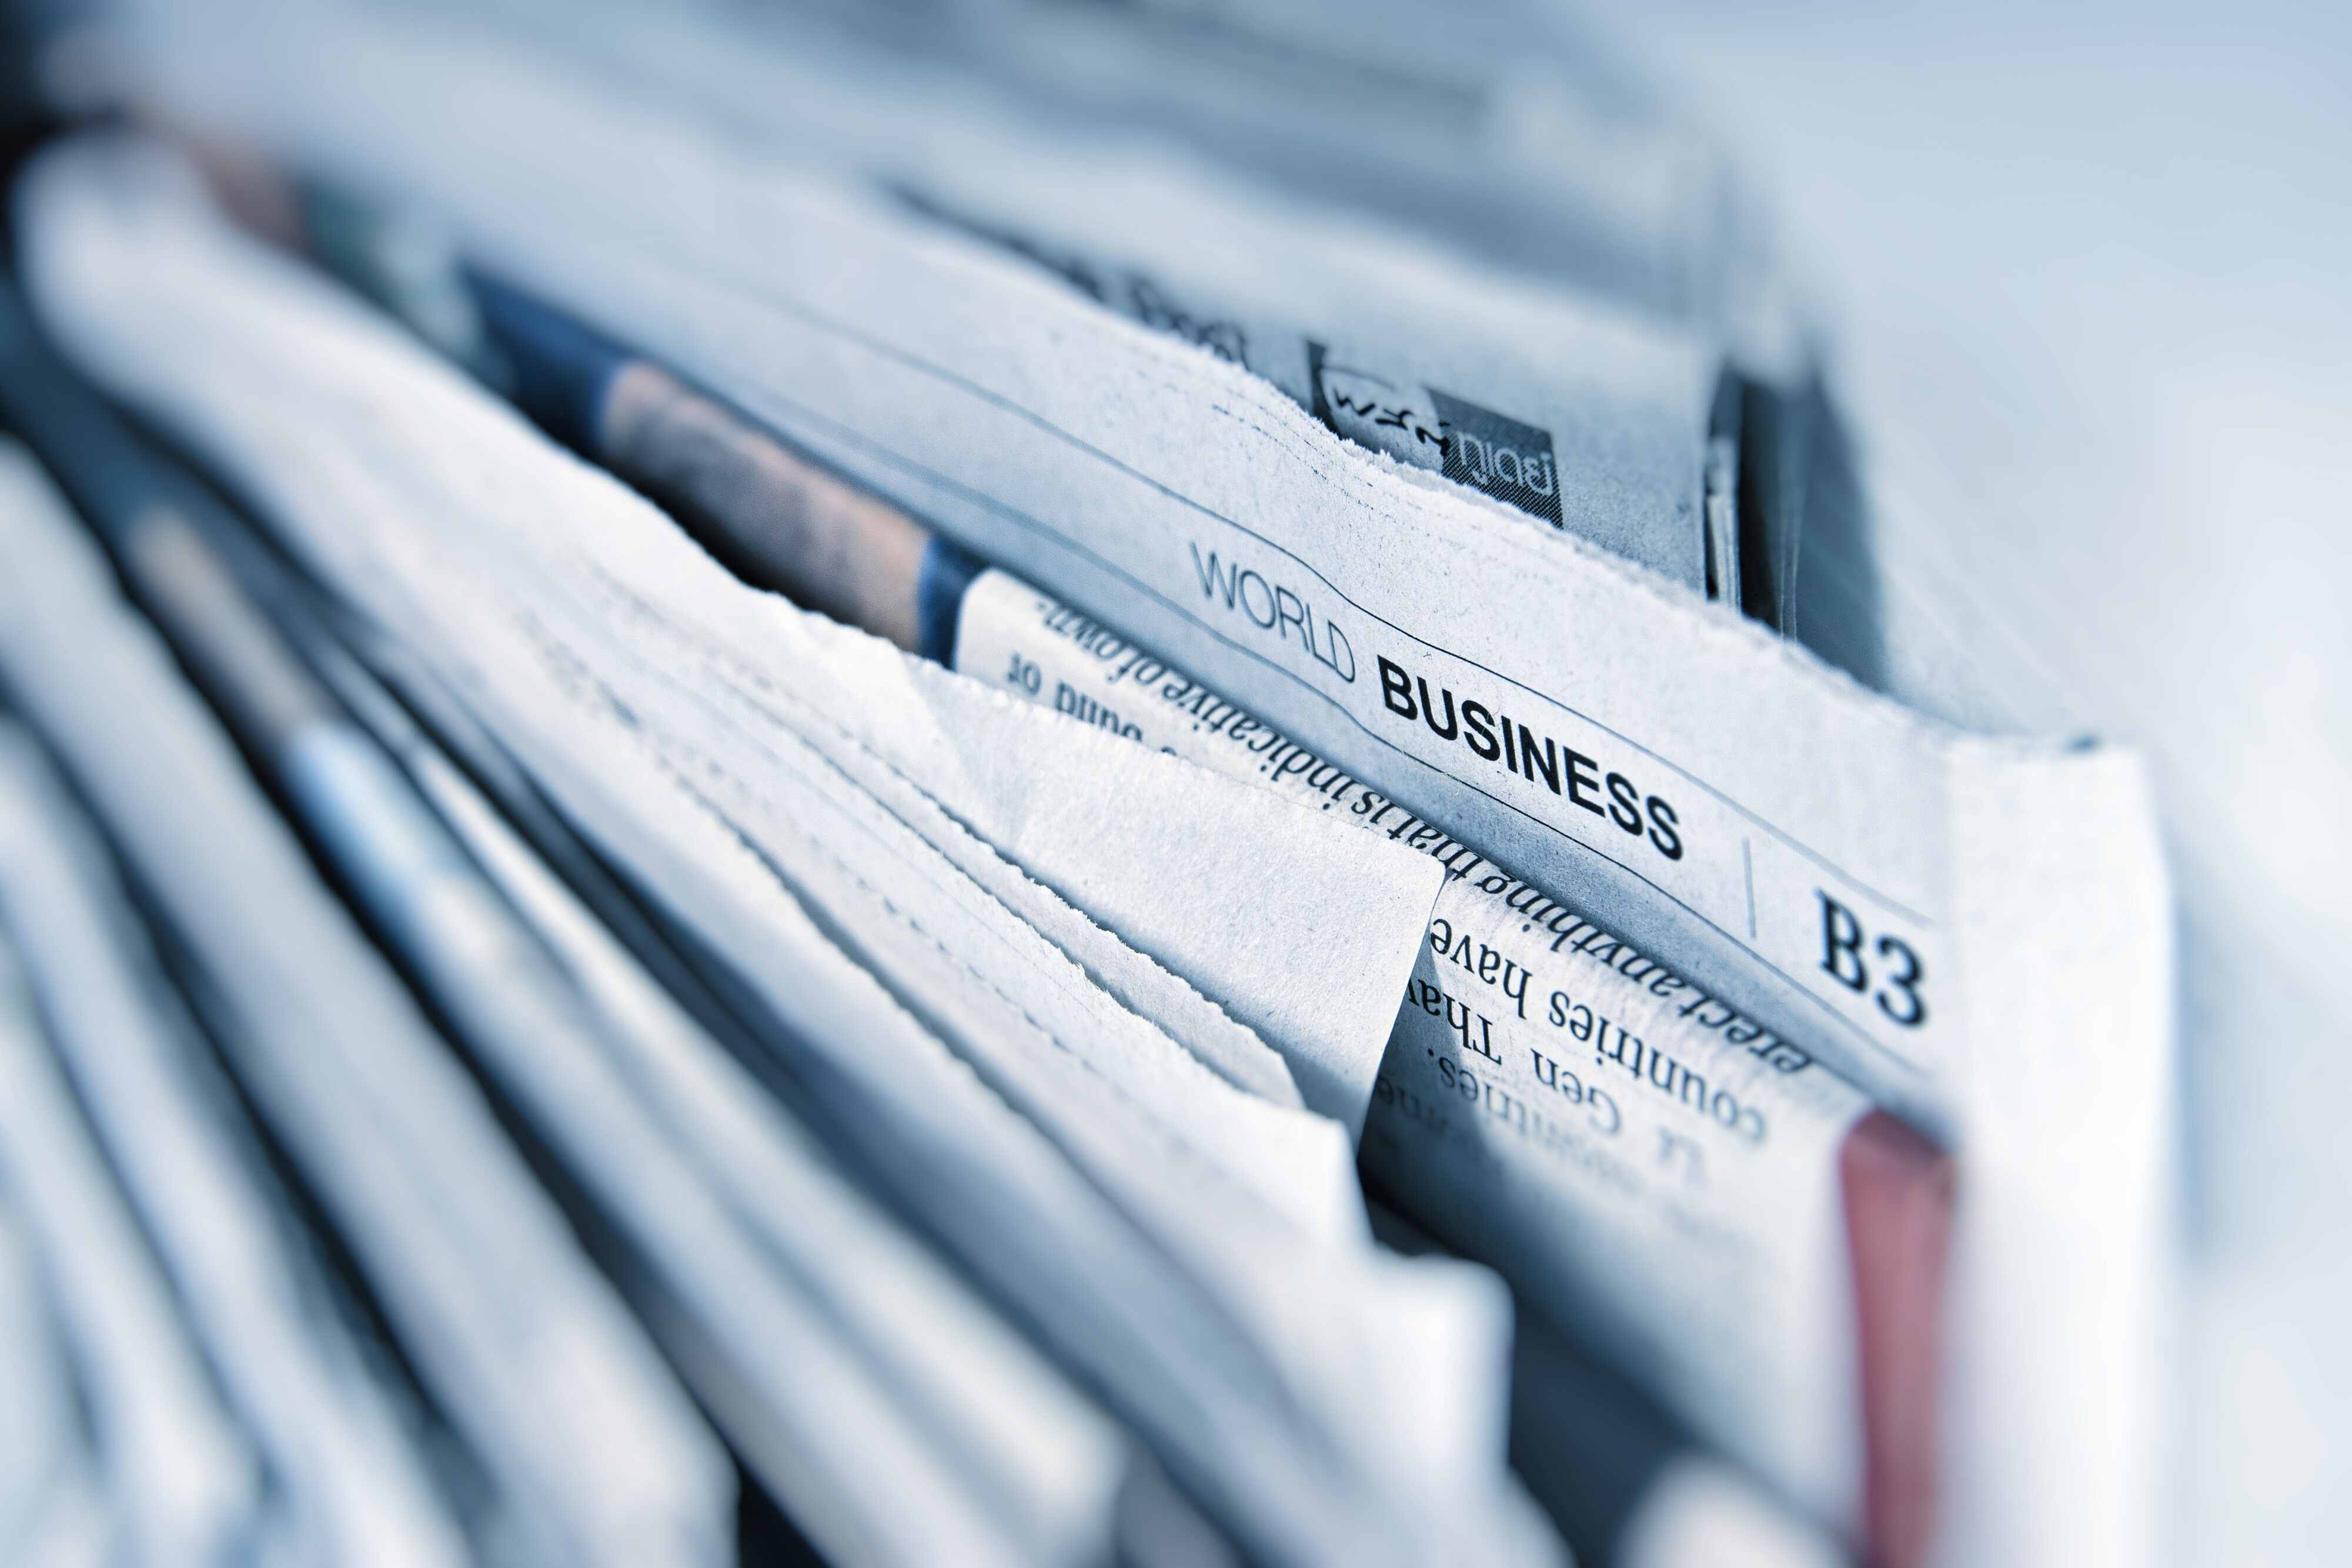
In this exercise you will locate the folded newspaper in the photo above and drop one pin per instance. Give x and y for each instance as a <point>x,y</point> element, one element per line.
<point>791,786</point>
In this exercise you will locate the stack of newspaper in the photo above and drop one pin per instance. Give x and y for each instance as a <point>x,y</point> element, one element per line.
<point>1004,784</point>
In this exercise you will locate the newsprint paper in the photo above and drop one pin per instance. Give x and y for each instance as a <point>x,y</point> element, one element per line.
<point>1973,929</point>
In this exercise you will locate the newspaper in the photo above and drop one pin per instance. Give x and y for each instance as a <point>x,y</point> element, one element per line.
<point>1633,1153</point>
<point>1078,814</point>
<point>290,1371</point>
<point>1579,416</point>
<point>1826,1221</point>
<point>1627,1483</point>
<point>1235,566</point>
<point>868,1480</point>
<point>181,1477</point>
<point>518,1339</point>
<point>50,1513</point>
<point>868,1475</point>
<point>1041,1448</point>
<point>936,1432</point>
<point>648,694</point>
<point>1514,134</point>
<point>1972,929</point>
<point>979,1387</point>
<point>1513,130</point>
